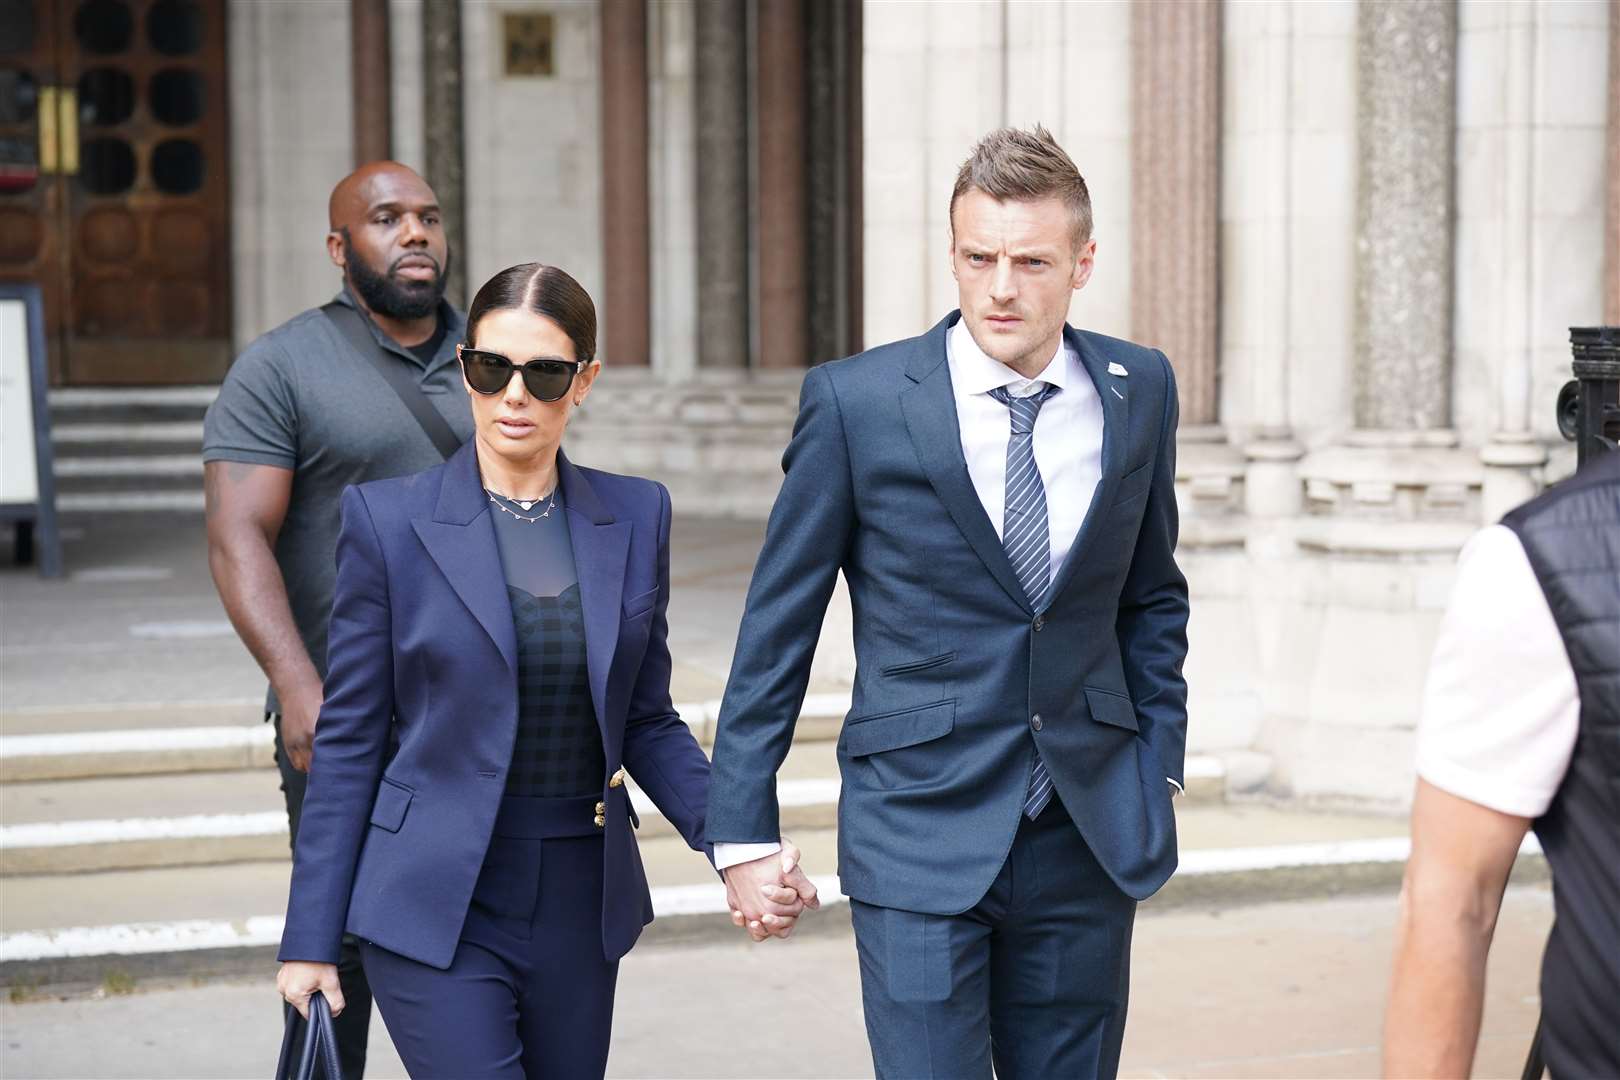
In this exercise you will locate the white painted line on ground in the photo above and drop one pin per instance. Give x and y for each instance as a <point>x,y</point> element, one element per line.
<point>141,740</point>
<point>116,574</point>
<point>127,830</point>
<point>673,900</point>
<point>1387,849</point>
<point>813,792</point>
<point>183,629</point>
<point>124,707</point>
<point>133,939</point>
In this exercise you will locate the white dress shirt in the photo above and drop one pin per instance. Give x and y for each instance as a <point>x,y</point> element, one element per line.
<point>1068,452</point>
<point>1500,708</point>
<point>1068,434</point>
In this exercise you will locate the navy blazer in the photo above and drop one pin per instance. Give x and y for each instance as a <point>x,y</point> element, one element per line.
<point>953,666</point>
<point>415,736</point>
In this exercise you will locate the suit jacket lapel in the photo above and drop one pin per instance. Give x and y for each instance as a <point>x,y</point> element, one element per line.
<point>601,549</point>
<point>461,540</point>
<point>1116,403</point>
<point>929,408</point>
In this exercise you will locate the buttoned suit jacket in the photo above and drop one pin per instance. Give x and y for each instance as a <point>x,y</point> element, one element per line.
<point>415,737</point>
<point>953,664</point>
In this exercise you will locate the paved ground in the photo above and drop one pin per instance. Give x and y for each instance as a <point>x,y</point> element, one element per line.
<point>137,620</point>
<point>1278,990</point>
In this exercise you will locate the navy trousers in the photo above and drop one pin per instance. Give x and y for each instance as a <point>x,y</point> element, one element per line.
<point>353,1027</point>
<point>528,993</point>
<point>1033,979</point>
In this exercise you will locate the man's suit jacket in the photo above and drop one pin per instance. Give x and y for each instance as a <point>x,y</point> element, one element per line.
<point>953,663</point>
<point>415,736</point>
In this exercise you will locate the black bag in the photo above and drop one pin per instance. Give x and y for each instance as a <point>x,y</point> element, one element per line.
<point>319,1043</point>
<point>352,325</point>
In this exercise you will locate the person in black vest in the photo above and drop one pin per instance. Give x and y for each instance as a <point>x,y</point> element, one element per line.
<point>1520,730</point>
<point>302,415</point>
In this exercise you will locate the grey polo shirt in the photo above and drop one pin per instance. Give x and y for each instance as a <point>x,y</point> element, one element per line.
<point>299,398</point>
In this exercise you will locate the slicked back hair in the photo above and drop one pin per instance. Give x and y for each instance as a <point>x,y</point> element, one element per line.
<point>544,290</point>
<point>1010,163</point>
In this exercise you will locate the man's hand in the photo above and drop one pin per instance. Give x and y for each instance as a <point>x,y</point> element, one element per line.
<point>299,711</point>
<point>768,895</point>
<point>298,979</point>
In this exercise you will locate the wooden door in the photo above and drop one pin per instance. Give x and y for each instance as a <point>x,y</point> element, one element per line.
<point>130,196</point>
<point>32,203</point>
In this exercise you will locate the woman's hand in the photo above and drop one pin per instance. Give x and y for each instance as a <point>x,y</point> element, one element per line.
<point>784,895</point>
<point>300,978</point>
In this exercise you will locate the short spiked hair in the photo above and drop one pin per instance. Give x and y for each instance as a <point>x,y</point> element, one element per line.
<point>1010,163</point>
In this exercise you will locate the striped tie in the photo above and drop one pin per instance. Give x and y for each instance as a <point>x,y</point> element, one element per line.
<point>1025,535</point>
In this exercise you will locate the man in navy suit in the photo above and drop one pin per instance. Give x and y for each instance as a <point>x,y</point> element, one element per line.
<point>999,495</point>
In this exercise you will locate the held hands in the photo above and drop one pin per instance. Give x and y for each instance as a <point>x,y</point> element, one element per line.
<point>768,895</point>
<point>298,979</point>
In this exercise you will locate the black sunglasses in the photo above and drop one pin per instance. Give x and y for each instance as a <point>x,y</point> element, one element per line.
<point>547,377</point>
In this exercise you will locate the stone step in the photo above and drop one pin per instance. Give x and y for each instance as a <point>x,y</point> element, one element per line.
<point>72,756</point>
<point>223,818</point>
<point>119,450</point>
<point>70,405</point>
<point>157,489</point>
<point>90,741</point>
<point>227,920</point>
<point>181,466</point>
<point>185,433</point>
<point>138,716</point>
<point>135,501</point>
<point>123,822</point>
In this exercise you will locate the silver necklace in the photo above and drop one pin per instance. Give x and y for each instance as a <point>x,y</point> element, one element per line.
<point>495,498</point>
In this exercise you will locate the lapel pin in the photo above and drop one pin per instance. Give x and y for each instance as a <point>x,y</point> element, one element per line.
<point>1117,369</point>
<point>1118,394</point>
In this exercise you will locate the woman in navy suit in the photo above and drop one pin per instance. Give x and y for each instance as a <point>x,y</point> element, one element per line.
<point>498,662</point>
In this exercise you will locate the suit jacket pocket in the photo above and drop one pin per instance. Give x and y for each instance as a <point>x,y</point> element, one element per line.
<point>637,606</point>
<point>393,799</point>
<point>891,731</point>
<point>1112,708</point>
<point>1134,483</point>
<point>919,665</point>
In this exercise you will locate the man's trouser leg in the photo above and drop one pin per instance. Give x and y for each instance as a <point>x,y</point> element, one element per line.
<point>354,1026</point>
<point>1034,978</point>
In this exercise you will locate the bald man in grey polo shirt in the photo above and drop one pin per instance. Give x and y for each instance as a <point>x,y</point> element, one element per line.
<point>300,417</point>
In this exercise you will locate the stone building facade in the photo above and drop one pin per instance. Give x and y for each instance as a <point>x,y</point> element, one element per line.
<point>1360,230</point>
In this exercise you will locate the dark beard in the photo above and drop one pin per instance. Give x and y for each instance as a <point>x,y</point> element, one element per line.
<point>389,297</point>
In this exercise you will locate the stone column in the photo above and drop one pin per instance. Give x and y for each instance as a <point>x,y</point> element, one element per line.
<point>625,317</point>
<point>1175,169</point>
<point>833,177</point>
<point>1407,58</point>
<point>722,190</point>
<point>1513,450</point>
<point>1611,246</point>
<point>372,75</point>
<point>783,212</point>
<point>441,128</point>
<point>1262,301</point>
